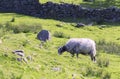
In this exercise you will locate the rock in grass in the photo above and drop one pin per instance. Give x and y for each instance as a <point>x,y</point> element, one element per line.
<point>80,25</point>
<point>43,35</point>
<point>56,69</point>
<point>25,60</point>
<point>19,59</point>
<point>102,26</point>
<point>19,53</point>
<point>29,58</point>
<point>22,59</point>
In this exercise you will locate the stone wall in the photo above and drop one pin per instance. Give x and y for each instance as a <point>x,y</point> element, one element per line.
<point>29,7</point>
<point>63,10</point>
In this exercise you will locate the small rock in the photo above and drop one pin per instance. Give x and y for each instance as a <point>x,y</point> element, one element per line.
<point>80,25</point>
<point>56,69</point>
<point>19,52</point>
<point>25,60</point>
<point>102,26</point>
<point>90,24</point>
<point>19,59</point>
<point>29,58</point>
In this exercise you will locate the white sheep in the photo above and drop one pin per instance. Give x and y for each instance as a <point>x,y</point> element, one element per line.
<point>79,46</point>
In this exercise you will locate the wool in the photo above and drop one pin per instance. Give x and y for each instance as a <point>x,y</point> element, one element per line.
<point>78,46</point>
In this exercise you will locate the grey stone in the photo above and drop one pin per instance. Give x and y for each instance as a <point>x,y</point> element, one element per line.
<point>19,53</point>
<point>80,25</point>
<point>29,58</point>
<point>19,59</point>
<point>56,69</point>
<point>43,35</point>
<point>25,60</point>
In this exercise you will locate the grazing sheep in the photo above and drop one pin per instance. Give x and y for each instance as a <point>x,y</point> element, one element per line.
<point>79,46</point>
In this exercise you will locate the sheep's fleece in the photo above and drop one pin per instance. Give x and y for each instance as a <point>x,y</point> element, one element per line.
<point>79,46</point>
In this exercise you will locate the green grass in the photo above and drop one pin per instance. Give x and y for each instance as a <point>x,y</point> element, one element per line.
<point>46,63</point>
<point>96,4</point>
<point>64,1</point>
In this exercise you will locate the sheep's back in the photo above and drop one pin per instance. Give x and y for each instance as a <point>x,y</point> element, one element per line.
<point>83,45</point>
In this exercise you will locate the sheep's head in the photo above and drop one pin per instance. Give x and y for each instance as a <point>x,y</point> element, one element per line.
<point>61,50</point>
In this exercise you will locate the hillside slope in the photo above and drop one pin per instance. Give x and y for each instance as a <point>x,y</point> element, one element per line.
<point>44,61</point>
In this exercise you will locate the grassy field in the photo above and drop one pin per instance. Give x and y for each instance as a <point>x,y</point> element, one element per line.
<point>60,1</point>
<point>95,4</point>
<point>45,63</point>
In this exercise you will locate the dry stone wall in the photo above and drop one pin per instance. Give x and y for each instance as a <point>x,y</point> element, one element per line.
<point>20,6</point>
<point>58,11</point>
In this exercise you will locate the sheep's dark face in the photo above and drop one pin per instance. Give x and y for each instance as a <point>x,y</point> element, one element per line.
<point>61,50</point>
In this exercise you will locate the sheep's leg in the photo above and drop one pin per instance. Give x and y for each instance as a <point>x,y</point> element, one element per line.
<point>72,54</point>
<point>93,58</point>
<point>77,55</point>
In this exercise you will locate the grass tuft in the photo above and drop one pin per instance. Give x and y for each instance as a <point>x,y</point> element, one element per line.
<point>61,35</point>
<point>103,62</point>
<point>108,47</point>
<point>106,75</point>
<point>34,28</point>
